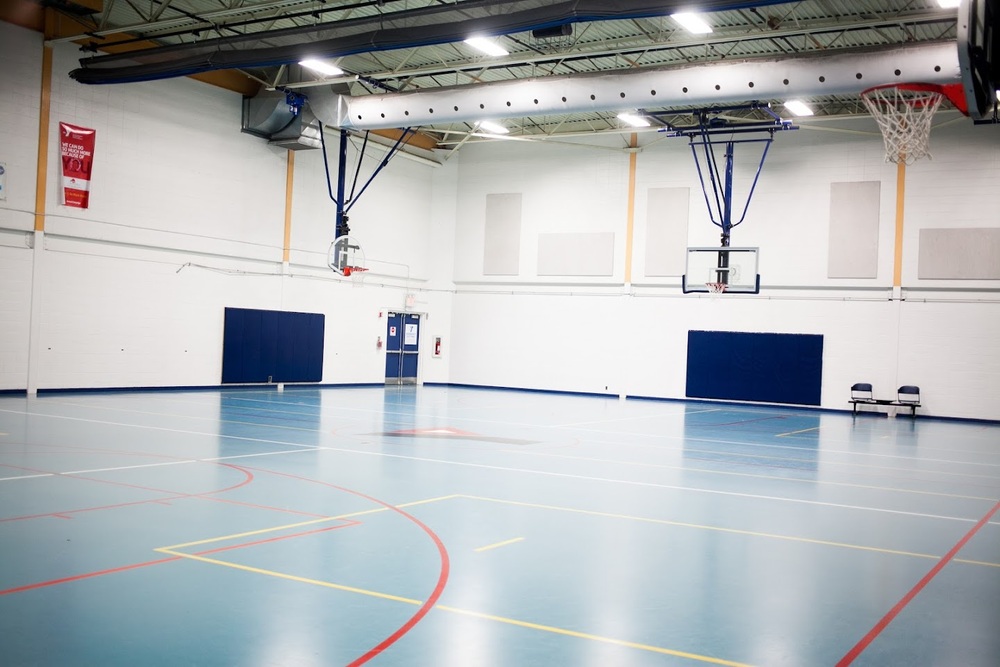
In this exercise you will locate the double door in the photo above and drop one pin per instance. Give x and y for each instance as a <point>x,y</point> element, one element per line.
<point>401,348</point>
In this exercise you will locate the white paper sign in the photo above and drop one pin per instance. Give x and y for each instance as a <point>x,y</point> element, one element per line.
<point>410,337</point>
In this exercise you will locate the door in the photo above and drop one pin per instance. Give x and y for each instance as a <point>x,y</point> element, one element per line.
<point>402,343</point>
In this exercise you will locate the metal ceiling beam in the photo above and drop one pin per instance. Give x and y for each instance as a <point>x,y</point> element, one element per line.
<point>521,60</point>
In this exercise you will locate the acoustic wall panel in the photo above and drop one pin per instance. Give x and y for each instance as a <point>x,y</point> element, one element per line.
<point>576,254</point>
<point>502,237</point>
<point>854,219</point>
<point>959,254</point>
<point>765,367</point>
<point>666,231</point>
<point>272,346</point>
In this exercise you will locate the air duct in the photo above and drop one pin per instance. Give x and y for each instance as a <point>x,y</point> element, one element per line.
<point>705,85</point>
<point>287,124</point>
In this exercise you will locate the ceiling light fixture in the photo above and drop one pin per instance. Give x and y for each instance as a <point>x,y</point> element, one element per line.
<point>798,108</point>
<point>693,22</point>
<point>321,67</point>
<point>487,46</point>
<point>492,128</point>
<point>948,4</point>
<point>633,119</point>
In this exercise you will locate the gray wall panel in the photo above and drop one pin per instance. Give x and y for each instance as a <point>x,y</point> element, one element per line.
<point>854,218</point>
<point>576,254</point>
<point>959,254</point>
<point>502,238</point>
<point>666,231</point>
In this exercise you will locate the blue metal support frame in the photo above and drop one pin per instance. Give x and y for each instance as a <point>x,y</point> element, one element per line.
<point>703,135</point>
<point>345,203</point>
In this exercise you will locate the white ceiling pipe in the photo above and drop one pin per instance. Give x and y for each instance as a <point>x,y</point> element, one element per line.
<point>716,83</point>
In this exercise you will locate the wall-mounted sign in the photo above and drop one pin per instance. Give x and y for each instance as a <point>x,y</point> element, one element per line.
<point>76,147</point>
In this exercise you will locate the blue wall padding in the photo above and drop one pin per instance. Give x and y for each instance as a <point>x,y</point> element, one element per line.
<point>269,345</point>
<point>766,367</point>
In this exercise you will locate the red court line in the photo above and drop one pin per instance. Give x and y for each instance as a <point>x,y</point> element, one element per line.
<point>894,612</point>
<point>350,524</point>
<point>438,588</point>
<point>88,575</point>
<point>172,494</point>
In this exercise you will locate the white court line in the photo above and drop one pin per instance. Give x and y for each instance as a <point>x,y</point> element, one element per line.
<point>214,420</point>
<point>632,418</point>
<point>744,443</point>
<point>777,478</point>
<point>658,486</point>
<point>11,479</point>
<point>160,463</point>
<point>340,410</point>
<point>163,428</point>
<point>246,456</point>
<point>144,465</point>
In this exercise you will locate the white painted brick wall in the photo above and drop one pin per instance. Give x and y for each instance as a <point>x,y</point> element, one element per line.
<point>176,185</point>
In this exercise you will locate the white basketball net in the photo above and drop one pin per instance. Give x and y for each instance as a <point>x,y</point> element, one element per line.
<point>904,116</point>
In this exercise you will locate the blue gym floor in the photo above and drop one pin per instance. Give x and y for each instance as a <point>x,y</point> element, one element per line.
<point>444,526</point>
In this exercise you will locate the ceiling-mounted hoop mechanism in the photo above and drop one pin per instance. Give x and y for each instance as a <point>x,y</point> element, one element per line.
<point>344,201</point>
<point>712,128</point>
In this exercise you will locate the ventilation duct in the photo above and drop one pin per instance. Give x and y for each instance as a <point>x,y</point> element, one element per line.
<point>271,115</point>
<point>720,83</point>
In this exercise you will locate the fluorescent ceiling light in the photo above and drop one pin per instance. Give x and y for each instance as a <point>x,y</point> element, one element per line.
<point>321,67</point>
<point>487,46</point>
<point>492,128</point>
<point>633,120</point>
<point>693,22</point>
<point>949,4</point>
<point>798,108</point>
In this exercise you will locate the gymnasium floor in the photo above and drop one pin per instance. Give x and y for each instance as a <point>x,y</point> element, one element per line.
<point>445,526</point>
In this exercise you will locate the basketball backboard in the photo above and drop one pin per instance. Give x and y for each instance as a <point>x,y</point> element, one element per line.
<point>345,255</point>
<point>979,55</point>
<point>731,270</point>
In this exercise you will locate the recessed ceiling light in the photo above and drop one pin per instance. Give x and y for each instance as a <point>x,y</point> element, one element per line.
<point>492,128</point>
<point>321,67</point>
<point>693,22</point>
<point>487,46</point>
<point>949,4</point>
<point>633,119</point>
<point>798,108</point>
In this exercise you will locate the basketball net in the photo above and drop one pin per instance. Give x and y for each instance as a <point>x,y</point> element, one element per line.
<point>904,115</point>
<point>356,274</point>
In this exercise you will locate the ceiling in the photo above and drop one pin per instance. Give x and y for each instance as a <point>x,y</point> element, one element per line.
<point>403,46</point>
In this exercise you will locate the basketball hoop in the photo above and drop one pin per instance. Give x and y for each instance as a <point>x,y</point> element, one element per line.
<point>356,274</point>
<point>904,113</point>
<point>716,288</point>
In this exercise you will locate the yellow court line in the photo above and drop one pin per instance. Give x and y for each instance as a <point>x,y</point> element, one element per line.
<point>735,531</point>
<point>455,610</point>
<point>499,544</point>
<point>290,577</point>
<point>598,638</point>
<point>300,524</point>
<point>805,430</point>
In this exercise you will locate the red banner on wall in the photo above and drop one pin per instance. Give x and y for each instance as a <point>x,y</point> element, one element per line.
<point>77,149</point>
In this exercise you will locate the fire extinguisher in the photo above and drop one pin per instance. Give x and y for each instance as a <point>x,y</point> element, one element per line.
<point>437,347</point>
